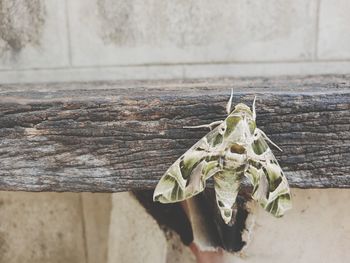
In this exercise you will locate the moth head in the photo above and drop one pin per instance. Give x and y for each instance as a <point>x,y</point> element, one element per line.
<point>242,108</point>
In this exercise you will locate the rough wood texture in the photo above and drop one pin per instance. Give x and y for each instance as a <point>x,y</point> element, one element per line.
<point>110,137</point>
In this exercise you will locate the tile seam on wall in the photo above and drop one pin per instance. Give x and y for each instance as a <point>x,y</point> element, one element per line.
<point>120,66</point>
<point>317,28</point>
<point>173,72</point>
<point>69,42</point>
<point>84,227</point>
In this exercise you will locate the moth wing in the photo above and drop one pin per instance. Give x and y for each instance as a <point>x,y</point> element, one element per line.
<point>270,186</point>
<point>187,176</point>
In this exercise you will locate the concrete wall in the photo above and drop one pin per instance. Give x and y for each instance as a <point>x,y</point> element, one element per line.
<point>50,40</point>
<point>82,40</point>
<point>83,228</point>
<point>41,228</point>
<point>104,228</point>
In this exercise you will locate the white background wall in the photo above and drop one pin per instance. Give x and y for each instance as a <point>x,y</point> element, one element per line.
<point>51,40</point>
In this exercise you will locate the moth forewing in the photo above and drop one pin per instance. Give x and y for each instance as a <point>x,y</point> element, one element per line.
<point>186,177</point>
<point>270,186</point>
<point>171,187</point>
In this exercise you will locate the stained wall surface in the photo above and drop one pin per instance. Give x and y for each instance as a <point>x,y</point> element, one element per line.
<point>49,40</point>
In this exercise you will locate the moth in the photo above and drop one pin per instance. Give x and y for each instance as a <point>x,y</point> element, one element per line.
<point>234,149</point>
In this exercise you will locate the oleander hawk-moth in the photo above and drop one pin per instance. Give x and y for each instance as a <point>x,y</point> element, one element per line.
<point>234,149</point>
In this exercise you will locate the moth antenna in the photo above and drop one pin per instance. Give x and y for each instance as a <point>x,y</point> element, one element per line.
<point>229,103</point>
<point>269,140</point>
<point>254,112</point>
<point>210,125</point>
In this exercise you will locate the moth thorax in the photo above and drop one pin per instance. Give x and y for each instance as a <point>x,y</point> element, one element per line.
<point>242,108</point>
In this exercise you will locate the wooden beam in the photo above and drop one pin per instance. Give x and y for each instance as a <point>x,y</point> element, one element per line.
<point>118,136</point>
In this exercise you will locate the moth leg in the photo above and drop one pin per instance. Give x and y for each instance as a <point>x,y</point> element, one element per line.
<point>205,145</point>
<point>229,104</point>
<point>268,139</point>
<point>210,125</point>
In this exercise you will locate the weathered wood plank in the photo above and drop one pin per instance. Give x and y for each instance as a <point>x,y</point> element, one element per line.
<point>110,137</point>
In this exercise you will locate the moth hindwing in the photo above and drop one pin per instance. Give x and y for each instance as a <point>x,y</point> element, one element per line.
<point>234,149</point>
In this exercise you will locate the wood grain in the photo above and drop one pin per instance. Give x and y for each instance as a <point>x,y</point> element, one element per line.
<point>119,136</point>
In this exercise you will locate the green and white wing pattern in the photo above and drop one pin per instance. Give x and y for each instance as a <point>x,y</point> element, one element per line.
<point>187,176</point>
<point>270,186</point>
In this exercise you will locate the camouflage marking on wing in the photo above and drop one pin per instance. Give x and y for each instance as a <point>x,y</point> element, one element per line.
<point>270,186</point>
<point>186,177</point>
